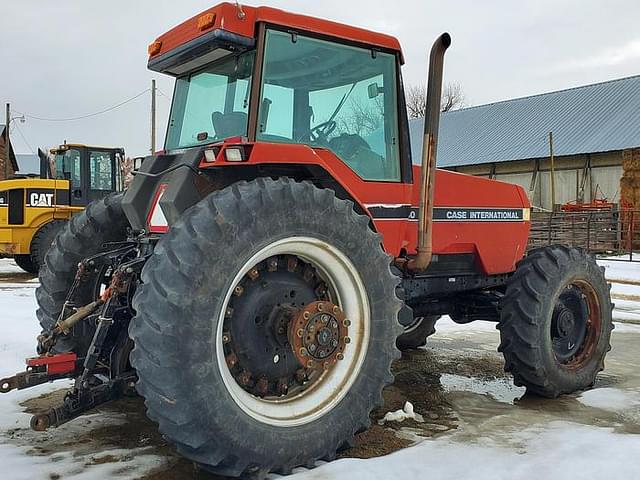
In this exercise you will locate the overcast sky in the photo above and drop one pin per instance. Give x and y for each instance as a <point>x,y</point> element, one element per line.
<point>66,58</point>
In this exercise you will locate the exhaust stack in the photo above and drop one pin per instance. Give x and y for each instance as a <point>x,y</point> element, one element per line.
<point>429,149</point>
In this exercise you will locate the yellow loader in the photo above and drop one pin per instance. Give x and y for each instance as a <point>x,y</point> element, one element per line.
<point>34,209</point>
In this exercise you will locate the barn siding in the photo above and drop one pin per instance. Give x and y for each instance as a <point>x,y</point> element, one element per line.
<point>605,173</point>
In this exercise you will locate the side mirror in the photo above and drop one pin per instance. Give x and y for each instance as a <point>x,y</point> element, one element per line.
<point>374,90</point>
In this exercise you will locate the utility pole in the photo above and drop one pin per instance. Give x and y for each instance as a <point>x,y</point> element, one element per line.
<point>153,116</point>
<point>7,144</point>
<point>553,172</point>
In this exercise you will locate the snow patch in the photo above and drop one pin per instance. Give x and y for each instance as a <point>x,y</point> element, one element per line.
<point>7,265</point>
<point>613,399</point>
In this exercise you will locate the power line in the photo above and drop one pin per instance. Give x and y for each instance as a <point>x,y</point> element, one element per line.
<point>24,138</point>
<point>163,94</point>
<point>81,117</point>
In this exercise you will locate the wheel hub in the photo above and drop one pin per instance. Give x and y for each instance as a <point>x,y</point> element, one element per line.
<point>570,325</point>
<point>566,322</point>
<point>274,300</point>
<point>319,334</point>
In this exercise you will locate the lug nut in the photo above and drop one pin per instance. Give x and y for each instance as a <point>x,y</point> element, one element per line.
<point>238,290</point>
<point>301,375</point>
<point>346,323</point>
<point>320,307</point>
<point>244,378</point>
<point>336,309</point>
<point>306,315</point>
<point>226,338</point>
<point>231,359</point>
<point>340,356</point>
<point>300,332</point>
<point>253,273</point>
<point>347,340</point>
<point>303,352</point>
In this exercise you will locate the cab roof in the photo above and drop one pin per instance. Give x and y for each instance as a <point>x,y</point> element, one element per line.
<point>242,21</point>
<point>67,146</point>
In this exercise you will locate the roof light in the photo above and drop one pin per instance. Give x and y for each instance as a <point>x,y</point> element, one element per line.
<point>206,21</point>
<point>234,154</point>
<point>157,221</point>
<point>154,48</point>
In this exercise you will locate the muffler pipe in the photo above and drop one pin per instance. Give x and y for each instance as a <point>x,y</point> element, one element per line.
<point>429,150</point>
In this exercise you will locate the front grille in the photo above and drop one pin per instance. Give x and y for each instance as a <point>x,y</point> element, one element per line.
<point>16,206</point>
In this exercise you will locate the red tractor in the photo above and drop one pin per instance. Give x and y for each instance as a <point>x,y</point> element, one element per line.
<point>259,277</point>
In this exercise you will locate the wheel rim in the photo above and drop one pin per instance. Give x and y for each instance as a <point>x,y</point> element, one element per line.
<point>575,324</point>
<point>414,325</point>
<point>346,298</point>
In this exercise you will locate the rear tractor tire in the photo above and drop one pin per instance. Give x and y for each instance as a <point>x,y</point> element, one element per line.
<point>556,321</point>
<point>83,236</point>
<point>265,328</point>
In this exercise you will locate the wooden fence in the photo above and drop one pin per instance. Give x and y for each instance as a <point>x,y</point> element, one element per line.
<point>604,232</point>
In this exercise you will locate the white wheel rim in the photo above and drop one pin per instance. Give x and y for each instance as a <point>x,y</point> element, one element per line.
<point>414,326</point>
<point>344,280</point>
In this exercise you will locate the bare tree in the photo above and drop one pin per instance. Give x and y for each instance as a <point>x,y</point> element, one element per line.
<point>361,118</point>
<point>453,98</point>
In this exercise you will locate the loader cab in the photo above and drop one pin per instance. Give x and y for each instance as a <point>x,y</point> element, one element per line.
<point>291,86</point>
<point>92,172</point>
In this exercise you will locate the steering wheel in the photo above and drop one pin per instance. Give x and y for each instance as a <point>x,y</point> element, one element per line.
<point>319,133</point>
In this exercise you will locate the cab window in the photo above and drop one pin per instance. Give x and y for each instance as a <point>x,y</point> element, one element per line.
<point>101,171</point>
<point>334,96</point>
<point>211,104</point>
<point>68,167</point>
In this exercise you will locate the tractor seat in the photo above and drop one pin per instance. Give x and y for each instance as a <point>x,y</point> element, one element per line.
<point>227,125</point>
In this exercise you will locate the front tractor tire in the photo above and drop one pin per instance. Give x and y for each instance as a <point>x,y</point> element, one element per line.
<point>415,334</point>
<point>265,328</point>
<point>556,324</point>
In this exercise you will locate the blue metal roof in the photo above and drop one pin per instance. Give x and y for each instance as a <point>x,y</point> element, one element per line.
<point>28,163</point>
<point>594,118</point>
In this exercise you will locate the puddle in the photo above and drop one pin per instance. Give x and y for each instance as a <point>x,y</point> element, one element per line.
<point>500,389</point>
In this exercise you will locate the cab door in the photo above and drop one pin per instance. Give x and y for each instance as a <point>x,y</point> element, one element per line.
<point>101,175</point>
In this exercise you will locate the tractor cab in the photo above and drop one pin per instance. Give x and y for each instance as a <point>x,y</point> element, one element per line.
<point>287,86</point>
<point>92,172</point>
